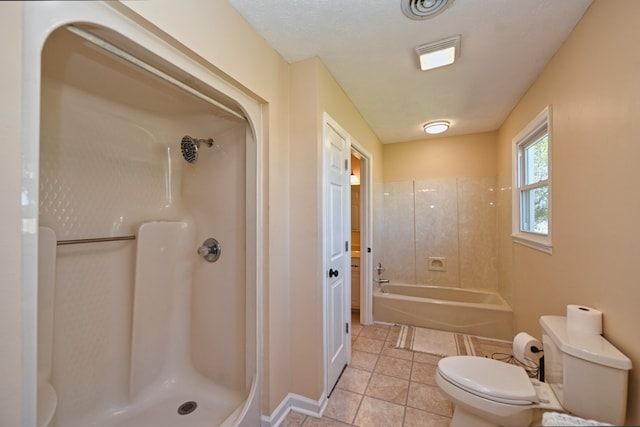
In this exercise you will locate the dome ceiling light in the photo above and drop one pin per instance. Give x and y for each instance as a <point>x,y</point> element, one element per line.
<point>434,128</point>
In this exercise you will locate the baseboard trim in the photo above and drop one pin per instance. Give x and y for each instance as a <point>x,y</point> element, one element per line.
<point>297,403</point>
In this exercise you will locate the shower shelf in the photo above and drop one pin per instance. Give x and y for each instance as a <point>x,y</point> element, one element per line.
<point>94,240</point>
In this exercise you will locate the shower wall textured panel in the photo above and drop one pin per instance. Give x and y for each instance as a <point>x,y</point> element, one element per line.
<point>93,170</point>
<point>101,174</point>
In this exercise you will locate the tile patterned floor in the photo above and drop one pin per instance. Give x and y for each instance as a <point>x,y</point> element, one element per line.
<point>383,386</point>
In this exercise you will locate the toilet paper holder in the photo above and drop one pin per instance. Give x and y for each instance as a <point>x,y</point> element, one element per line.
<point>526,347</point>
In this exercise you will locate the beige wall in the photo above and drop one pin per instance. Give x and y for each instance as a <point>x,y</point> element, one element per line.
<point>455,156</point>
<point>334,100</point>
<point>313,92</point>
<point>10,214</point>
<point>593,84</point>
<point>306,256</point>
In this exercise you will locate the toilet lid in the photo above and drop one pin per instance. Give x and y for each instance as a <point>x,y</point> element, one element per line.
<point>489,378</point>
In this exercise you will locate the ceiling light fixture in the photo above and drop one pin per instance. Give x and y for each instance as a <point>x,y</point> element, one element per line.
<point>438,54</point>
<point>434,128</point>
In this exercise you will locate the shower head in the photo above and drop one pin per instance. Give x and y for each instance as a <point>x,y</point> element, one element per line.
<point>189,147</point>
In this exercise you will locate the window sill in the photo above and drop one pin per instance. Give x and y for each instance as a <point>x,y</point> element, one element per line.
<point>541,245</point>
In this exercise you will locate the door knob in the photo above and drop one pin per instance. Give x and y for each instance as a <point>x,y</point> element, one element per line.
<point>333,273</point>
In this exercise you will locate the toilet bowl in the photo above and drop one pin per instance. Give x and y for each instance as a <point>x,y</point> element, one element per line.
<point>488,392</point>
<point>586,376</point>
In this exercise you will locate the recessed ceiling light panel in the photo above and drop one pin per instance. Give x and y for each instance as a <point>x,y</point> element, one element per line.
<point>438,54</point>
<point>423,9</point>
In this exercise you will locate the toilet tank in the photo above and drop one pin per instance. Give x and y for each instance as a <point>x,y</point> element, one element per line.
<point>587,373</point>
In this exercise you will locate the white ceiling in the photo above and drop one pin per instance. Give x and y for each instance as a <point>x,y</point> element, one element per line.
<point>368,45</point>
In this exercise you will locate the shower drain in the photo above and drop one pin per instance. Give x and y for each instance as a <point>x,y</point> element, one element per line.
<point>187,407</point>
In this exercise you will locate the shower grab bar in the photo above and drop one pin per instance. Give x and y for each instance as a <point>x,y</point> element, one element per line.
<point>94,240</point>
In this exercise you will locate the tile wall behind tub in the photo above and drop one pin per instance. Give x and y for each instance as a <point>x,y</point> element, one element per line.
<point>478,232</point>
<point>398,252</point>
<point>436,232</point>
<point>451,218</point>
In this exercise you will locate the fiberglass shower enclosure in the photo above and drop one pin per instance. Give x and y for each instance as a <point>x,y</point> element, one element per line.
<point>135,326</point>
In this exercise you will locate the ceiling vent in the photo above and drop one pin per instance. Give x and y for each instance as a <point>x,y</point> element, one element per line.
<point>423,9</point>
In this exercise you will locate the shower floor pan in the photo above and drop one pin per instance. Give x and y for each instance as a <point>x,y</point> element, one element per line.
<point>214,406</point>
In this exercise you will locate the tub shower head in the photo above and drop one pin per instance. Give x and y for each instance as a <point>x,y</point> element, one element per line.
<point>189,147</point>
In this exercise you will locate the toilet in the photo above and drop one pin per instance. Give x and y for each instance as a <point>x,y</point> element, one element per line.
<point>585,375</point>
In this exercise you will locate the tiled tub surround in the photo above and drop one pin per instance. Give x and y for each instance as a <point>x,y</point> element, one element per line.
<point>110,160</point>
<point>450,218</point>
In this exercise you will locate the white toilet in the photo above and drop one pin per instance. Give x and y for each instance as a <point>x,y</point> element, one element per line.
<point>584,375</point>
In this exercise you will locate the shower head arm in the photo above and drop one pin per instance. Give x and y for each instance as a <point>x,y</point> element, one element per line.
<point>209,142</point>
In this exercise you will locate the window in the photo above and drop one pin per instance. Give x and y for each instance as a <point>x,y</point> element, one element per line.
<point>532,184</point>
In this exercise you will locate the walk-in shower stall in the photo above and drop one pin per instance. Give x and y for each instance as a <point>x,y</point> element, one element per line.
<point>147,259</point>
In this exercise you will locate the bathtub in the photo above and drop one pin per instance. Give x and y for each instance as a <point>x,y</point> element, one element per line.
<point>467,311</point>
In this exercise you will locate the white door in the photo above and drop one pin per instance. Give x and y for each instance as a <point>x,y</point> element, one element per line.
<point>336,151</point>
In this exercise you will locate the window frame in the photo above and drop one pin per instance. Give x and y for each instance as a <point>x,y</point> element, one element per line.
<point>540,125</point>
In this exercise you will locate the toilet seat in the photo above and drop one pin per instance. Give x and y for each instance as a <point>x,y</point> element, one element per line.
<point>489,379</point>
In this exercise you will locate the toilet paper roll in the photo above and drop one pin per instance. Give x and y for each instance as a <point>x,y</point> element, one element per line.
<point>584,319</point>
<point>526,348</point>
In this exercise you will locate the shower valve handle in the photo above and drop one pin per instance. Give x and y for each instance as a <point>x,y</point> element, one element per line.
<point>210,250</point>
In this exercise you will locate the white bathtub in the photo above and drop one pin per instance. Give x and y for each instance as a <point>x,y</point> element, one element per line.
<point>465,311</point>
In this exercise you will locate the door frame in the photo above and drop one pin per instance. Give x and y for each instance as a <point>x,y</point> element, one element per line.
<point>366,232</point>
